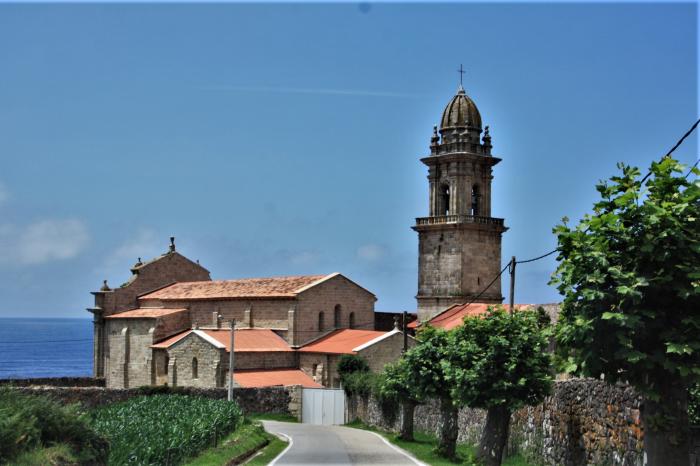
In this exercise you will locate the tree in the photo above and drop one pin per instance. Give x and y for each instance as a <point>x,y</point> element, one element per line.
<point>349,363</point>
<point>397,385</point>
<point>500,363</point>
<point>631,284</point>
<point>427,363</point>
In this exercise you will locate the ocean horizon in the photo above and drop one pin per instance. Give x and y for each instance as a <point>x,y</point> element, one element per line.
<point>45,347</point>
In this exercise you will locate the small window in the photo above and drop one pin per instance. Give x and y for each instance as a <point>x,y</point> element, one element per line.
<point>314,368</point>
<point>195,368</point>
<point>351,320</point>
<point>167,363</point>
<point>475,200</point>
<point>321,323</point>
<point>444,208</point>
<point>336,316</point>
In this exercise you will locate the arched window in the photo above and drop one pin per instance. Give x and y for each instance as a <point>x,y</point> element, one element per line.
<point>321,323</point>
<point>195,368</point>
<point>351,320</point>
<point>444,208</point>
<point>167,363</point>
<point>336,316</point>
<point>475,200</point>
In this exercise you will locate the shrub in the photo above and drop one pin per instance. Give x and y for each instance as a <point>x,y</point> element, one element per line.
<point>694,405</point>
<point>350,363</point>
<point>164,429</point>
<point>360,383</point>
<point>29,422</point>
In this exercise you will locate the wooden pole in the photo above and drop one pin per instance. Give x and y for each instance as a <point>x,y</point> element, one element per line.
<point>230,363</point>
<point>512,285</point>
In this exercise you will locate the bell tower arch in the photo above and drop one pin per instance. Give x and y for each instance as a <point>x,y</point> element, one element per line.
<point>459,242</point>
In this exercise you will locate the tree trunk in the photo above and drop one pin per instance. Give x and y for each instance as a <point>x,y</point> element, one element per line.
<point>494,437</point>
<point>448,429</point>
<point>666,426</point>
<point>408,407</point>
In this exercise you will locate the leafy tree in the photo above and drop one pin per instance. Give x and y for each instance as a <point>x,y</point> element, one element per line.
<point>350,363</point>
<point>396,384</point>
<point>427,363</point>
<point>500,363</point>
<point>631,284</point>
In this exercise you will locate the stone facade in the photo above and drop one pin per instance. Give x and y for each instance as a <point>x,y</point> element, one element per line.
<point>459,250</point>
<point>164,270</point>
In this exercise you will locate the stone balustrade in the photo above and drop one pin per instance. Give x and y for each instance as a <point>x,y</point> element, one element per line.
<point>446,219</point>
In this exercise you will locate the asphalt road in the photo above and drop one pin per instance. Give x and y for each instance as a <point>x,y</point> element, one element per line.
<point>336,445</point>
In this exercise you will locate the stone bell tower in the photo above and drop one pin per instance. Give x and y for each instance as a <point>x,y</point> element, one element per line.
<point>459,242</point>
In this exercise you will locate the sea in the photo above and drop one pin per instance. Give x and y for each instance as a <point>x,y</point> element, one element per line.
<point>36,347</point>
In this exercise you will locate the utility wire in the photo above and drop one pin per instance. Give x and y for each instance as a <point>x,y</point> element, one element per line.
<point>680,141</point>
<point>538,257</point>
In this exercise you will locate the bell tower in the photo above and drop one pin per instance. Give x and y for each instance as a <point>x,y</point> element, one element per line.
<point>459,242</point>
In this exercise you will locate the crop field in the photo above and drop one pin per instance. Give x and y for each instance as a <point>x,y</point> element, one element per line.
<point>164,429</point>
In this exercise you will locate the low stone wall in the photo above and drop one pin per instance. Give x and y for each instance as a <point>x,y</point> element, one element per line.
<point>583,422</point>
<point>55,382</point>
<point>251,400</point>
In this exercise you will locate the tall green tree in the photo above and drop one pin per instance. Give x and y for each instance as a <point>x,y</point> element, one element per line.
<point>630,276</point>
<point>500,363</point>
<point>427,363</point>
<point>396,384</point>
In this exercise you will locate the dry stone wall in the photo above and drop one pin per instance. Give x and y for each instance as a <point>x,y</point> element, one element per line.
<point>583,422</point>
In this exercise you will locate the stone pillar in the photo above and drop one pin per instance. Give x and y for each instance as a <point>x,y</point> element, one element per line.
<point>248,316</point>
<point>291,325</point>
<point>172,372</point>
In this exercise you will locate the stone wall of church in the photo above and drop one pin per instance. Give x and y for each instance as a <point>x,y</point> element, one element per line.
<point>455,263</point>
<point>382,353</point>
<point>129,361</point>
<point>324,297</point>
<point>194,362</point>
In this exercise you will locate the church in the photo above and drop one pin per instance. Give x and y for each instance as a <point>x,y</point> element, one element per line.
<point>169,324</point>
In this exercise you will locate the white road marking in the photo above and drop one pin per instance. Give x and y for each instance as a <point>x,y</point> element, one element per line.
<point>291,442</point>
<point>404,453</point>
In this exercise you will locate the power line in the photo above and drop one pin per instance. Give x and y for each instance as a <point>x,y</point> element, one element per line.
<point>538,257</point>
<point>680,141</point>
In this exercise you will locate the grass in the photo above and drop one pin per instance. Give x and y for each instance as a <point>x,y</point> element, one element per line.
<point>283,417</point>
<point>249,438</point>
<point>423,448</point>
<point>57,455</point>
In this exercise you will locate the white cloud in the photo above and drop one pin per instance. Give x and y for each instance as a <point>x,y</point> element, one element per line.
<point>304,258</point>
<point>43,241</point>
<point>145,244</point>
<point>371,252</point>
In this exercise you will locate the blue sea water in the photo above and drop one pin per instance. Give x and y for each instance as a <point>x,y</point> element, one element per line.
<point>40,347</point>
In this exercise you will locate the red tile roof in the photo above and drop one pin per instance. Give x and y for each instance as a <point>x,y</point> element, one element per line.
<point>268,378</point>
<point>341,341</point>
<point>145,313</point>
<point>273,287</point>
<point>245,340</point>
<point>454,316</point>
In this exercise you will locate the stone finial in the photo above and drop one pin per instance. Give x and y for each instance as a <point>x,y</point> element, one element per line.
<point>172,244</point>
<point>487,137</point>
<point>105,287</point>
<point>195,325</point>
<point>396,323</point>
<point>434,140</point>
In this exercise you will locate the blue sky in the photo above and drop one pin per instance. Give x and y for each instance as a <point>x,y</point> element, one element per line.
<point>285,139</point>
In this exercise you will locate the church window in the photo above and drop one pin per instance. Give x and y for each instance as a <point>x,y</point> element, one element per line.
<point>195,368</point>
<point>321,323</point>
<point>336,316</point>
<point>475,200</point>
<point>167,363</point>
<point>444,207</point>
<point>351,320</point>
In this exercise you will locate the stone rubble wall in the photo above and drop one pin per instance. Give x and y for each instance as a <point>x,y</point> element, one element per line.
<point>284,400</point>
<point>583,422</point>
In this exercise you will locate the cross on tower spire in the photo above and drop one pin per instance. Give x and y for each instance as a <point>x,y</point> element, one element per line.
<point>461,74</point>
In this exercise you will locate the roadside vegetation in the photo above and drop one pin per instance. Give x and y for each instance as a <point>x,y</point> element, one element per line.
<point>37,431</point>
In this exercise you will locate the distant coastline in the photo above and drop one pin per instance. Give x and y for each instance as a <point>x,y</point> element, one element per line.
<point>45,347</point>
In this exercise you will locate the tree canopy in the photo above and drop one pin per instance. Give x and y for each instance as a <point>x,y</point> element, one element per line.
<point>630,279</point>
<point>500,360</point>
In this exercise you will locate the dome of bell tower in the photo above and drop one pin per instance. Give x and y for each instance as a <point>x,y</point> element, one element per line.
<point>461,112</point>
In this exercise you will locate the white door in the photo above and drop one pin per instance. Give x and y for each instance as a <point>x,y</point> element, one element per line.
<point>323,406</point>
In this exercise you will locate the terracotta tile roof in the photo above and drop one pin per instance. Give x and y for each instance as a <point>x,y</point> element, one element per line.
<point>342,341</point>
<point>145,313</point>
<point>269,378</point>
<point>272,287</point>
<point>245,340</point>
<point>454,316</point>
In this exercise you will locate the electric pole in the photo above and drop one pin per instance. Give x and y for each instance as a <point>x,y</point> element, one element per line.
<point>405,332</point>
<point>230,364</point>
<point>512,284</point>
